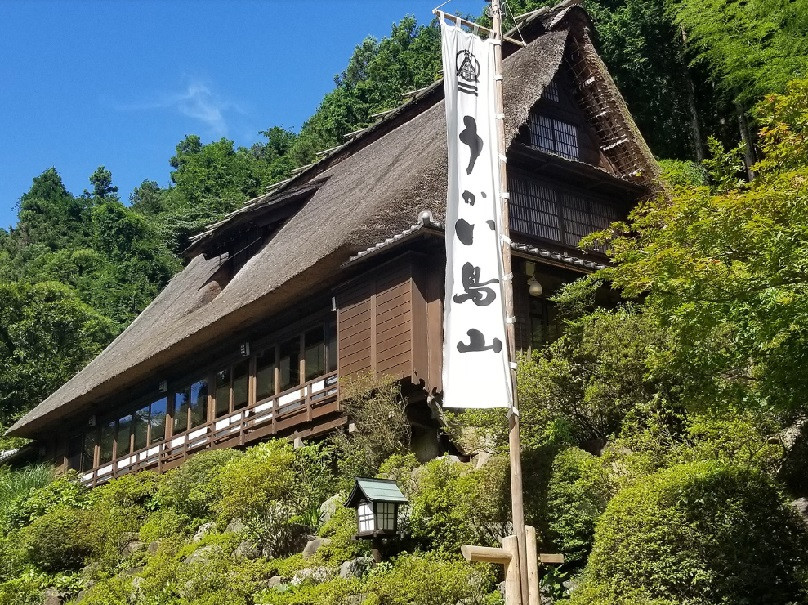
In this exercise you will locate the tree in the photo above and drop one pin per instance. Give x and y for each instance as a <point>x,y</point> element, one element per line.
<point>46,335</point>
<point>724,273</point>
<point>101,180</point>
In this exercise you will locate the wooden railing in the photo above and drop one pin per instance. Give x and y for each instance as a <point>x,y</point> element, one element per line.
<point>297,406</point>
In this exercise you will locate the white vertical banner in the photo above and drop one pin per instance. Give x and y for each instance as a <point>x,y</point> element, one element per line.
<point>476,372</point>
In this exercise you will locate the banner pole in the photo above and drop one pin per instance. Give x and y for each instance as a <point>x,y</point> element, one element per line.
<point>514,441</point>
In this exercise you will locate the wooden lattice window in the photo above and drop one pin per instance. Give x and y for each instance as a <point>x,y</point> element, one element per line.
<point>548,212</point>
<point>554,136</point>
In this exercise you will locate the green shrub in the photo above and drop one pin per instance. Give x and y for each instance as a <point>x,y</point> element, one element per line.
<point>164,523</point>
<point>340,529</point>
<point>454,504</point>
<point>261,488</point>
<point>578,493</point>
<point>134,489</point>
<point>333,592</point>
<point>61,539</point>
<point>17,485</point>
<point>701,533</point>
<point>192,488</point>
<point>377,410</point>
<point>430,579</point>
<point>683,173</point>
<point>64,490</point>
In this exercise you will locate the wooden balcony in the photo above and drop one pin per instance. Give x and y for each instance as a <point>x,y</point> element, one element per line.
<point>311,408</point>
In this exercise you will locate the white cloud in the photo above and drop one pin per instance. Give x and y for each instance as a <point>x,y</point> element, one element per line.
<point>197,101</point>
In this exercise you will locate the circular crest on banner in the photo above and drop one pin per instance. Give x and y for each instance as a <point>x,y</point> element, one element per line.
<point>468,67</point>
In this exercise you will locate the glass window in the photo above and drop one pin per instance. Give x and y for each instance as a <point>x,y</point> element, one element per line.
<point>106,442</point>
<point>331,346</point>
<point>124,435</point>
<point>365,517</point>
<point>289,364</point>
<point>157,421</point>
<point>222,392</point>
<point>265,375</point>
<point>75,446</point>
<point>88,454</point>
<point>140,427</point>
<point>314,352</point>
<point>385,516</point>
<point>181,401</point>
<point>241,378</point>
<point>199,402</point>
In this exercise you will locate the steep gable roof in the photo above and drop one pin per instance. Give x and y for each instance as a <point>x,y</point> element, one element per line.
<point>360,194</point>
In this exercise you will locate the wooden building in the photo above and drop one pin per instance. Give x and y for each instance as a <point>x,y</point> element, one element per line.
<point>339,270</point>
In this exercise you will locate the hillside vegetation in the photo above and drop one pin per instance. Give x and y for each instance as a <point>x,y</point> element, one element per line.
<point>664,440</point>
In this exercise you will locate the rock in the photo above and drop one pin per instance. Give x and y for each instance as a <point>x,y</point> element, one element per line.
<point>247,550</point>
<point>313,545</point>
<point>425,444</point>
<point>153,547</point>
<point>481,459</point>
<point>52,597</point>
<point>330,506</point>
<point>276,581</point>
<point>801,505</point>
<point>133,547</point>
<point>200,555</point>
<point>314,574</point>
<point>355,568</point>
<point>354,599</point>
<point>236,526</point>
<point>204,530</point>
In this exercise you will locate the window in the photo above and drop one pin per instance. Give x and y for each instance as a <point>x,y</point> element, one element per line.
<point>88,452</point>
<point>199,403</point>
<point>365,517</point>
<point>561,215</point>
<point>241,381</point>
<point>222,392</point>
<point>554,136</point>
<point>75,446</point>
<point>140,428</point>
<point>124,436</point>
<point>265,374</point>
<point>385,516</point>
<point>331,346</point>
<point>182,400</point>
<point>289,364</point>
<point>551,92</point>
<point>157,421</point>
<point>106,442</point>
<point>544,326</point>
<point>314,353</point>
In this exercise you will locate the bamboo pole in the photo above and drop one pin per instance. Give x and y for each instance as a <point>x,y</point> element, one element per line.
<point>514,442</point>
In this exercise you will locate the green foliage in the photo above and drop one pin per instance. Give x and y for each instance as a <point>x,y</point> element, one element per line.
<point>750,48</point>
<point>192,489</point>
<point>61,539</point>
<point>17,485</point>
<point>377,410</point>
<point>340,529</point>
<point>702,533</point>
<point>46,334</point>
<point>428,579</point>
<point>723,274</point>
<point>578,493</point>
<point>678,173</point>
<point>261,489</point>
<point>453,504</point>
<point>581,388</point>
<point>784,129</point>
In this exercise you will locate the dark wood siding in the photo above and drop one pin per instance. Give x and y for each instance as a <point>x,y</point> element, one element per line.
<point>382,322</point>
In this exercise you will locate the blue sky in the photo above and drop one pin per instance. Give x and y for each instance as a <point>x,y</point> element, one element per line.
<point>121,82</point>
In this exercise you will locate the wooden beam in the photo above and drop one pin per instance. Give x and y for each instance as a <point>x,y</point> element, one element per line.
<point>534,593</point>
<point>486,554</point>
<point>551,558</point>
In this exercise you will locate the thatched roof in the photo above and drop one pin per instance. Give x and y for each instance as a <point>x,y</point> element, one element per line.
<point>362,193</point>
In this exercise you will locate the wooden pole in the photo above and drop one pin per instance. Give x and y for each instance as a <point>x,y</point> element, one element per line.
<point>514,442</point>
<point>534,593</point>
